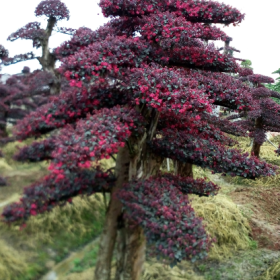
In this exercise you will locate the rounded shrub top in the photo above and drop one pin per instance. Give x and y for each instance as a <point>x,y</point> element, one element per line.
<point>52,8</point>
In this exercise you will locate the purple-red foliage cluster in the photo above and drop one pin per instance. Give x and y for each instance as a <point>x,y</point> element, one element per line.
<point>4,53</point>
<point>159,205</point>
<point>96,137</point>
<point>52,9</point>
<point>194,11</point>
<point>123,87</point>
<point>22,94</point>
<point>184,147</point>
<point>56,189</point>
<point>37,151</point>
<point>31,31</point>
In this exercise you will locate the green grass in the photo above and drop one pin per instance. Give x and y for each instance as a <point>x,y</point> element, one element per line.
<point>63,230</point>
<point>88,261</point>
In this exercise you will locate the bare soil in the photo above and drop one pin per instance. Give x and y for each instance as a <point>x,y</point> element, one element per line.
<point>261,206</point>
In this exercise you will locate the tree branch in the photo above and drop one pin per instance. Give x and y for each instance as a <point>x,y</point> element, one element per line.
<point>18,58</point>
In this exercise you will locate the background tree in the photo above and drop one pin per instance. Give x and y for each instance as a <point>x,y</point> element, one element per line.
<point>275,86</point>
<point>55,11</point>
<point>264,114</point>
<point>142,87</point>
<point>21,94</point>
<point>247,64</point>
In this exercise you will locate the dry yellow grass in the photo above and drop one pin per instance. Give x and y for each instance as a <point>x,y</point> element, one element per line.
<point>12,262</point>
<point>159,271</point>
<point>273,273</point>
<point>224,221</point>
<point>69,218</point>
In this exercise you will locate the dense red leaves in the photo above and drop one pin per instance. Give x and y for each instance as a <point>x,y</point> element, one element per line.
<point>169,29</point>
<point>52,9</point>
<point>195,11</point>
<point>85,36</point>
<point>22,91</point>
<point>196,55</point>
<point>224,90</point>
<point>120,77</point>
<point>270,114</point>
<point>167,90</point>
<point>257,79</point>
<point>225,125</point>
<point>31,31</point>
<point>37,151</point>
<point>56,189</point>
<point>105,57</point>
<point>168,220</point>
<point>206,126</point>
<point>264,114</point>
<point>159,46</point>
<point>207,11</point>
<point>68,108</point>
<point>184,147</point>
<point>275,94</point>
<point>244,72</point>
<point>96,137</point>
<point>188,185</point>
<point>261,92</point>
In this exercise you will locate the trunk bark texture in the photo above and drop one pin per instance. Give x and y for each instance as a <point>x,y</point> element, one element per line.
<point>143,164</point>
<point>3,126</point>
<point>256,149</point>
<point>135,253</point>
<point>113,217</point>
<point>183,169</point>
<point>48,59</point>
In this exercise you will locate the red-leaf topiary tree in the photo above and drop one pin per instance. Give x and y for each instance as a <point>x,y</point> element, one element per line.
<point>55,11</point>
<point>142,88</point>
<point>264,114</point>
<point>22,94</point>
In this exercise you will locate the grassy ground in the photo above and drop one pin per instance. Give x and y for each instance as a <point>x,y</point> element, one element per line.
<point>49,238</point>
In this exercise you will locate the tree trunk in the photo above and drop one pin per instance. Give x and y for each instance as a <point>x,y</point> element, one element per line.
<point>48,59</point>
<point>143,164</point>
<point>120,251</point>
<point>256,146</point>
<point>256,149</point>
<point>130,253</point>
<point>135,253</point>
<point>183,169</point>
<point>113,216</point>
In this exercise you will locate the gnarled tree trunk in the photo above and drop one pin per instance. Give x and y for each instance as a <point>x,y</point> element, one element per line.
<point>113,217</point>
<point>183,169</point>
<point>143,164</point>
<point>48,59</point>
<point>256,149</point>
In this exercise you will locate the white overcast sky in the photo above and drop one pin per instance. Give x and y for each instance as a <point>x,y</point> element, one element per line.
<point>257,37</point>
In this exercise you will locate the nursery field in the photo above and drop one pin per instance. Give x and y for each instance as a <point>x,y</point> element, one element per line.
<point>244,218</point>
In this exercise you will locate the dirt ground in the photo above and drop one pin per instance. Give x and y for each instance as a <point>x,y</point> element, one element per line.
<point>261,206</point>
